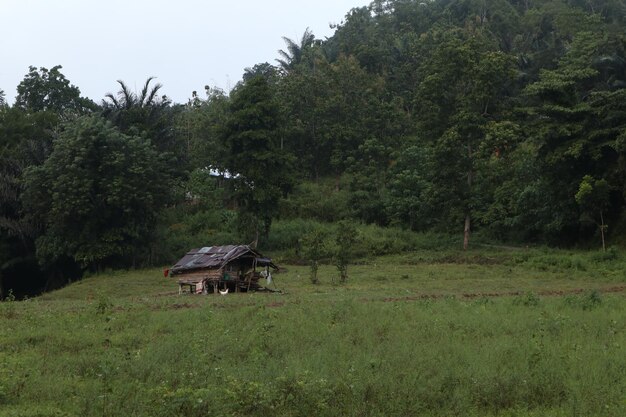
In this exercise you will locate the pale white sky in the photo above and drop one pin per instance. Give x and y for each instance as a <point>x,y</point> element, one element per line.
<point>186,44</point>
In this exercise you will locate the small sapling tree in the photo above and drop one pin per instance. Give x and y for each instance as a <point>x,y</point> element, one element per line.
<point>313,245</point>
<point>593,199</point>
<point>345,239</point>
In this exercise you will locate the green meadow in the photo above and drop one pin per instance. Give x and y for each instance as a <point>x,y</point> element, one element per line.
<point>492,332</point>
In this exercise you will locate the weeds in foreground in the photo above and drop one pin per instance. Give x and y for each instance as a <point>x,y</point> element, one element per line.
<point>237,356</point>
<point>402,339</point>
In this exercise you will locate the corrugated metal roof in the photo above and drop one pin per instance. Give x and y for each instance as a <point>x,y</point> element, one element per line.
<point>215,257</point>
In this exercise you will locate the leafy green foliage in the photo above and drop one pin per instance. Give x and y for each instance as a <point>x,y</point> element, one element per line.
<point>261,169</point>
<point>48,90</point>
<point>296,51</point>
<point>200,126</point>
<point>426,117</point>
<point>346,236</point>
<point>313,248</point>
<point>319,200</point>
<point>96,195</point>
<point>593,195</point>
<point>25,141</point>
<point>150,115</point>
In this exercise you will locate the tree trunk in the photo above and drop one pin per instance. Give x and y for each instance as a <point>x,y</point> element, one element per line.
<point>466,231</point>
<point>468,219</point>
<point>255,243</point>
<point>602,227</point>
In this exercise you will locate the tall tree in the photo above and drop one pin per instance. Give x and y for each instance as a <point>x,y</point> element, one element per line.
<point>199,126</point>
<point>593,199</point>
<point>464,86</point>
<point>126,99</point>
<point>576,116</point>
<point>145,113</point>
<point>25,140</point>
<point>96,196</point>
<point>264,69</point>
<point>48,90</point>
<point>262,169</point>
<point>296,51</point>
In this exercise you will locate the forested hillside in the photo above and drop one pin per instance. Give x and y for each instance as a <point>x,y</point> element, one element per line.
<point>503,117</point>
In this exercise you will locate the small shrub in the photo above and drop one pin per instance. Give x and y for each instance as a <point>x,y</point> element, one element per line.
<point>7,306</point>
<point>611,254</point>
<point>528,299</point>
<point>483,301</point>
<point>587,301</point>
<point>346,237</point>
<point>313,246</point>
<point>591,300</point>
<point>104,306</point>
<point>558,262</point>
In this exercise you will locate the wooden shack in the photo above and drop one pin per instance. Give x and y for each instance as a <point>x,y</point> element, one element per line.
<point>220,268</point>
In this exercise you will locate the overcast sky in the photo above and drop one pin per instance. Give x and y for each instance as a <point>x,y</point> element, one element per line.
<point>186,44</point>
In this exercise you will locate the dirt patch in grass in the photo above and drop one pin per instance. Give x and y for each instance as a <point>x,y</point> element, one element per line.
<point>546,293</point>
<point>275,304</point>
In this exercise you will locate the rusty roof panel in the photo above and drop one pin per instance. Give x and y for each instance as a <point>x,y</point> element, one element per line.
<point>214,257</point>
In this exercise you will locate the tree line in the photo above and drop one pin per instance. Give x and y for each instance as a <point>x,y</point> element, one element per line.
<point>503,116</point>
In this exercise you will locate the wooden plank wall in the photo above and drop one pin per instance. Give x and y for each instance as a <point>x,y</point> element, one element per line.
<point>197,276</point>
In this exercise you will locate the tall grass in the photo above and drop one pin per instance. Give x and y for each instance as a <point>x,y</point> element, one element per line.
<point>125,344</point>
<point>372,240</point>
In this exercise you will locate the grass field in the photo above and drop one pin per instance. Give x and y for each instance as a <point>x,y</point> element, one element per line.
<point>484,333</point>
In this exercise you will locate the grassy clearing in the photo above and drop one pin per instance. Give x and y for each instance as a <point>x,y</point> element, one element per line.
<point>411,334</point>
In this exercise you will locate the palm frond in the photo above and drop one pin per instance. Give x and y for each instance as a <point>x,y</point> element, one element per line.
<point>127,97</point>
<point>150,99</point>
<point>282,63</point>
<point>144,93</point>
<point>114,101</point>
<point>295,51</point>
<point>307,38</point>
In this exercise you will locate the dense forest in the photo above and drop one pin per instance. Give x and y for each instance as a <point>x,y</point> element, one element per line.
<point>502,117</point>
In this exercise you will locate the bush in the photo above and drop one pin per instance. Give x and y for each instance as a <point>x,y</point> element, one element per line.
<point>190,226</point>
<point>317,201</point>
<point>346,237</point>
<point>287,235</point>
<point>314,248</point>
<point>588,301</point>
<point>529,299</point>
<point>611,254</point>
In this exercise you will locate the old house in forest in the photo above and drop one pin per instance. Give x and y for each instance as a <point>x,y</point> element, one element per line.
<point>221,268</point>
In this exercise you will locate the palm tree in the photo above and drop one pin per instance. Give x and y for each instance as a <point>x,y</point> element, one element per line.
<point>146,112</point>
<point>295,52</point>
<point>126,99</point>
